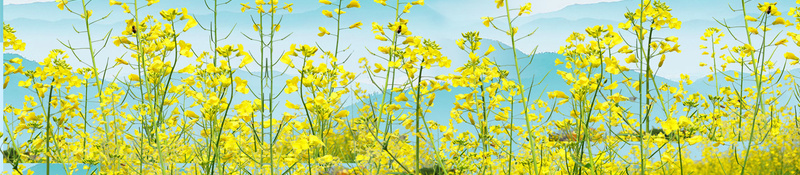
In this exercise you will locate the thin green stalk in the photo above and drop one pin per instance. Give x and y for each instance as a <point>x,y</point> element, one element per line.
<point>142,66</point>
<point>584,128</point>
<point>271,85</point>
<point>680,152</point>
<point>759,96</point>
<point>92,54</point>
<point>521,89</point>
<point>483,138</point>
<point>224,118</point>
<point>418,114</point>
<point>216,38</point>
<point>49,127</point>
<point>510,138</point>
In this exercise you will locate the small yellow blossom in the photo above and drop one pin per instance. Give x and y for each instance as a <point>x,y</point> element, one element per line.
<point>353,4</point>
<point>356,25</point>
<point>327,13</point>
<point>323,32</point>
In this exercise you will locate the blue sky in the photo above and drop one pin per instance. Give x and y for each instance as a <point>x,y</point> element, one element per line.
<point>42,25</point>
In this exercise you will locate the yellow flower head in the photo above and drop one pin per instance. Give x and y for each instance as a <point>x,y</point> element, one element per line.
<point>245,6</point>
<point>769,8</point>
<point>288,7</point>
<point>791,56</point>
<point>377,28</point>
<point>354,4</point>
<point>525,9</point>
<point>170,14</point>
<point>225,51</point>
<point>134,77</point>
<point>113,2</point>
<point>487,20</point>
<point>556,94</point>
<point>327,13</point>
<point>379,37</point>
<point>189,24</point>
<point>323,31</point>
<point>291,85</point>
<point>356,25</point>
<point>61,4</point>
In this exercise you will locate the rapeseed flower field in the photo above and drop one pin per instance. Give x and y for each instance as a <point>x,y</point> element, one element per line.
<point>218,115</point>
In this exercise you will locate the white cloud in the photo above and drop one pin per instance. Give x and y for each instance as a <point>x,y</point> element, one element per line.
<point>12,2</point>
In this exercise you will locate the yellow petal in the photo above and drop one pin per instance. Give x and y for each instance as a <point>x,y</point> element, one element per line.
<point>487,21</point>
<point>247,60</point>
<point>490,50</point>
<point>749,18</point>
<point>323,31</point>
<point>752,30</point>
<point>342,114</point>
<point>401,97</point>
<point>791,56</point>
<point>379,37</point>
<point>669,125</point>
<point>134,77</point>
<point>356,25</point>
<point>631,59</point>
<point>291,105</point>
<point>189,24</point>
<point>327,13</point>
<point>556,94</point>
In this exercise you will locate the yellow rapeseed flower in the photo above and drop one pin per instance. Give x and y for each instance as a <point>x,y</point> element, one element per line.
<point>245,6</point>
<point>356,25</point>
<point>525,9</point>
<point>353,4</point>
<point>556,94</point>
<point>323,32</point>
<point>113,2</point>
<point>134,77</point>
<point>669,125</point>
<point>791,56</point>
<point>327,13</point>
<point>291,105</point>
<point>401,97</point>
<point>291,85</point>
<point>189,24</point>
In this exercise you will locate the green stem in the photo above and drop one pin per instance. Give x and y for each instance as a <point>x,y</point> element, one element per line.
<point>528,131</point>
<point>418,114</point>
<point>757,106</point>
<point>49,128</point>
